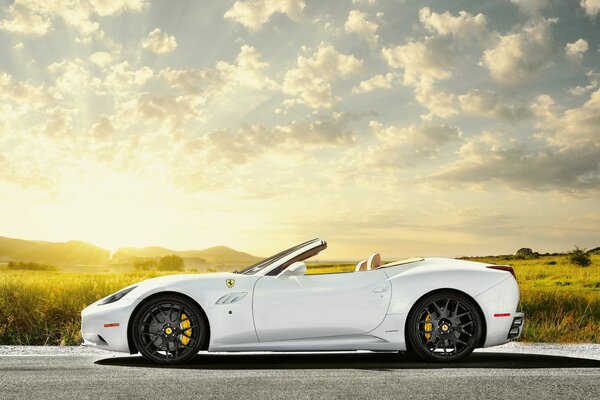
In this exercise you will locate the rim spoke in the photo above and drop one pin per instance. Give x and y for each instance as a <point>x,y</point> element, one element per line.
<point>438,309</point>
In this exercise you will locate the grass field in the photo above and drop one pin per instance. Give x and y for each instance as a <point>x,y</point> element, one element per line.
<point>562,301</point>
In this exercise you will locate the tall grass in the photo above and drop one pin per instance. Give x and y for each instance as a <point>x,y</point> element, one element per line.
<point>42,308</point>
<point>561,301</point>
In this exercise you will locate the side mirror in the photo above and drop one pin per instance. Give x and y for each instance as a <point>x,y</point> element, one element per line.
<point>296,269</point>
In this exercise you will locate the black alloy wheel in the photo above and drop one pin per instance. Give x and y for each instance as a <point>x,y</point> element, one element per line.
<point>169,329</point>
<point>444,326</point>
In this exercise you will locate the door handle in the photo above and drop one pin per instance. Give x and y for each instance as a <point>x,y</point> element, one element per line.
<point>380,289</point>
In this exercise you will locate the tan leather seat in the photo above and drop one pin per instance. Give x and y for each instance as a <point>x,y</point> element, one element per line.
<point>374,261</point>
<point>361,266</point>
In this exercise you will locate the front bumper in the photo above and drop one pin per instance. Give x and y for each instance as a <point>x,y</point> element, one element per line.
<point>105,326</point>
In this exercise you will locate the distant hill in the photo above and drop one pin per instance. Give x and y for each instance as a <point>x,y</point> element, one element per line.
<point>75,252</point>
<point>54,253</point>
<point>212,255</point>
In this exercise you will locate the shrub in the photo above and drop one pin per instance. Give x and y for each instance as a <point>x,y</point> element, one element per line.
<point>30,266</point>
<point>170,263</point>
<point>148,265</point>
<point>526,253</point>
<point>579,257</point>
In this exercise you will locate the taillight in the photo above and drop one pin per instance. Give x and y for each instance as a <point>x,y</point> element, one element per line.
<point>506,268</point>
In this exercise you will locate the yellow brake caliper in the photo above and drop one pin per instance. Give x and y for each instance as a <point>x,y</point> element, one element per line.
<point>184,325</point>
<point>428,327</point>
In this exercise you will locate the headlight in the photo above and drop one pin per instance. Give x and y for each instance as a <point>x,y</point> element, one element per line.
<point>117,296</point>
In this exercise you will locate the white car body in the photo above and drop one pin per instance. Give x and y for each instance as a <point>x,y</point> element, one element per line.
<point>364,310</point>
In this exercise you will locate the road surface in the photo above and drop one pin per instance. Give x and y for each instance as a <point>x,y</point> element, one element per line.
<point>513,371</point>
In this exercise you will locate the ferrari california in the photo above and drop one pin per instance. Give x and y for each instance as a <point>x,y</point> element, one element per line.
<point>439,308</point>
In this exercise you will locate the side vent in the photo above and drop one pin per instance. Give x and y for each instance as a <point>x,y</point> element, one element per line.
<point>231,298</point>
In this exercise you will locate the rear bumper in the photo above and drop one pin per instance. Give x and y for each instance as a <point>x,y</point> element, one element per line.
<point>516,327</point>
<point>499,305</point>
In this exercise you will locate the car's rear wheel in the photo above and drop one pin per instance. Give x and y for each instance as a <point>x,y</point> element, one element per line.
<point>169,329</point>
<point>444,326</point>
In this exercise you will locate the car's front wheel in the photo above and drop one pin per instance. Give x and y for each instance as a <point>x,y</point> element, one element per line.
<point>444,326</point>
<point>169,329</point>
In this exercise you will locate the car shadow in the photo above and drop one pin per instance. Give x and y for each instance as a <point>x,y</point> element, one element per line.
<point>370,361</point>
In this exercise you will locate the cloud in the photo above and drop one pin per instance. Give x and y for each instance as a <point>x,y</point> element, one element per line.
<point>576,127</point>
<point>488,159</point>
<point>426,60</point>
<point>591,7</point>
<point>253,14</point>
<point>34,17</point>
<point>438,102</point>
<point>25,17</point>
<point>488,103</point>
<point>115,7</point>
<point>531,7</point>
<point>574,51</point>
<point>310,81</point>
<point>465,26</point>
<point>251,141</point>
<point>401,147</point>
<point>516,56</point>
<point>376,82</point>
<point>73,76</point>
<point>101,58</point>
<point>159,42</point>
<point>248,70</point>
<point>19,97</point>
<point>423,63</point>
<point>566,157</point>
<point>358,23</point>
<point>594,83</point>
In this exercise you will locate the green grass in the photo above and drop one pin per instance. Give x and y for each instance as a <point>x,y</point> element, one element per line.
<point>562,301</point>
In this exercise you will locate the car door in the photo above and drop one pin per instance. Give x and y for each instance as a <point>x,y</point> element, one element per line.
<point>311,306</point>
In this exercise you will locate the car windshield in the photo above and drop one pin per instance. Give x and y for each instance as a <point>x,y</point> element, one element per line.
<point>259,266</point>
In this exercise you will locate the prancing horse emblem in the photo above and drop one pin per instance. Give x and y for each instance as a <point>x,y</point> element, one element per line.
<point>230,283</point>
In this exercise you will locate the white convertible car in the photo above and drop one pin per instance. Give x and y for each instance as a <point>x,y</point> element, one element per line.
<point>439,308</point>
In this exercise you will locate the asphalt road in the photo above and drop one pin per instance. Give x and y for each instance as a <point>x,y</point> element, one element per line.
<point>514,371</point>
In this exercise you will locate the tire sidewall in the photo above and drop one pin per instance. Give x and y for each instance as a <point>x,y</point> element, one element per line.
<point>413,340</point>
<point>198,315</point>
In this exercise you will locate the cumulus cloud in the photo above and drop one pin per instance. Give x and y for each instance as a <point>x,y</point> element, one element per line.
<point>574,51</point>
<point>566,157</point>
<point>422,64</point>
<point>531,7</point>
<point>19,97</point>
<point>465,26</point>
<point>593,83</point>
<point>516,56</point>
<point>357,23</point>
<point>311,80</point>
<point>591,7</point>
<point>490,159</point>
<point>438,102</point>
<point>247,70</point>
<point>159,42</point>
<point>576,127</point>
<point>383,81</point>
<point>399,147</point>
<point>101,58</point>
<point>35,17</point>
<point>489,104</point>
<point>251,142</point>
<point>426,60</point>
<point>253,14</point>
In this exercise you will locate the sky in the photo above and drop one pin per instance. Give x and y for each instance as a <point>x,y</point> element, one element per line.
<point>412,128</point>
